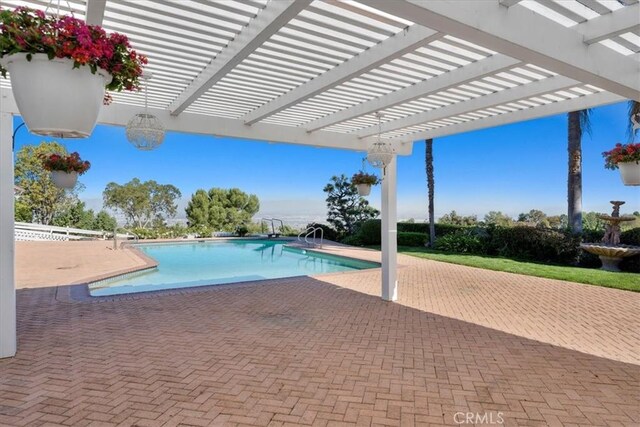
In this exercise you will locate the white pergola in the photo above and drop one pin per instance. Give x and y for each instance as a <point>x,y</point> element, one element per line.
<point>316,72</point>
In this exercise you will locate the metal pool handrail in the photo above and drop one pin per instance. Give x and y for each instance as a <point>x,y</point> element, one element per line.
<point>311,231</point>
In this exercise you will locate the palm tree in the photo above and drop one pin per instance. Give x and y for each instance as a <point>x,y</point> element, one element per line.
<point>579,122</point>
<point>430,181</point>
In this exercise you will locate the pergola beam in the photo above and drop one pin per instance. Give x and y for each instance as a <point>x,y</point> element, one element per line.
<point>505,96</point>
<point>120,114</point>
<point>274,16</point>
<point>581,103</point>
<point>521,33</point>
<point>95,12</point>
<point>610,25</point>
<point>509,3</point>
<point>394,47</point>
<point>491,65</point>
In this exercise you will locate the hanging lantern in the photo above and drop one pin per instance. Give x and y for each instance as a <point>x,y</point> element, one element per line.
<point>144,130</point>
<point>380,154</point>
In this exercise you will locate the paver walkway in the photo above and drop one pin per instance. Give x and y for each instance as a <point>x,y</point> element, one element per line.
<point>327,350</point>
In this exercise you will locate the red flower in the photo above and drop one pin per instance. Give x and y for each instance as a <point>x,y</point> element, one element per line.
<point>31,31</point>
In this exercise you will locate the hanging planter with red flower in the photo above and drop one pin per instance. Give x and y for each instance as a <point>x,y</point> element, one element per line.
<point>626,158</point>
<point>60,68</point>
<point>65,169</point>
<point>363,182</point>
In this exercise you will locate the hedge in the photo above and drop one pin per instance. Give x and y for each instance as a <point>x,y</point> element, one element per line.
<point>369,232</point>
<point>535,244</point>
<point>526,243</point>
<point>411,239</point>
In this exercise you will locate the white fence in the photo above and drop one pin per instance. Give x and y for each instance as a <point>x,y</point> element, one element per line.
<point>27,231</point>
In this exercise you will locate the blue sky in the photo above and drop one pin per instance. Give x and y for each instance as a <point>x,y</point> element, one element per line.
<point>511,168</point>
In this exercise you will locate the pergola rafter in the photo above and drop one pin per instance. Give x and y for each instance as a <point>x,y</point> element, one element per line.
<point>547,110</point>
<point>484,67</point>
<point>613,24</point>
<point>391,48</point>
<point>273,17</point>
<point>505,96</point>
<point>544,42</point>
<point>95,11</point>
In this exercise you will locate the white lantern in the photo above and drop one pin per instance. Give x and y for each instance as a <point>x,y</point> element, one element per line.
<point>144,130</point>
<point>380,154</point>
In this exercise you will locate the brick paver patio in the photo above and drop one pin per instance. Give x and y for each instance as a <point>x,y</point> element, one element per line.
<point>328,351</point>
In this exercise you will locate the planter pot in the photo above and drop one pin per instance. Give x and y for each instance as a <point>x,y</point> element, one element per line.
<point>363,189</point>
<point>55,99</point>
<point>64,179</point>
<point>630,173</point>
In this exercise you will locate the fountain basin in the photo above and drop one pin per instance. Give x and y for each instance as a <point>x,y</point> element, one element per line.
<point>611,255</point>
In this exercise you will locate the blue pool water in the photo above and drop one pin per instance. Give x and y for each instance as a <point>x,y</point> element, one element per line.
<point>182,265</point>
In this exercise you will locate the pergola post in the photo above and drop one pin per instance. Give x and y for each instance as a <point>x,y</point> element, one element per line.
<point>7,245</point>
<point>389,232</point>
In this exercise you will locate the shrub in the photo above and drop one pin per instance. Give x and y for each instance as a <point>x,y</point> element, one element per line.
<point>592,236</point>
<point>330,233</point>
<point>466,241</point>
<point>242,230</point>
<point>370,232</point>
<point>423,227</point>
<point>353,240</point>
<point>631,237</point>
<point>411,239</point>
<point>535,244</point>
<point>144,233</point>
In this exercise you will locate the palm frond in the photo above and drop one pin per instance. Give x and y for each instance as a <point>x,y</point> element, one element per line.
<point>634,110</point>
<point>585,121</point>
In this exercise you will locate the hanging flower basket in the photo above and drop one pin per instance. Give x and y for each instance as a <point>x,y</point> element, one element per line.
<point>60,68</point>
<point>363,182</point>
<point>65,169</point>
<point>626,158</point>
<point>630,173</point>
<point>54,98</point>
<point>363,189</point>
<point>63,179</point>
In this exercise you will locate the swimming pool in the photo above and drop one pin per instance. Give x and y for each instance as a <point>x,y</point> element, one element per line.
<point>183,265</point>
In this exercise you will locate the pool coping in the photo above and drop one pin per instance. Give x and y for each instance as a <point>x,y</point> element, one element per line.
<point>78,291</point>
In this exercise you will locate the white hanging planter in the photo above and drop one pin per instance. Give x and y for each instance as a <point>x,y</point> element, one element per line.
<point>63,179</point>
<point>54,98</point>
<point>630,172</point>
<point>363,189</point>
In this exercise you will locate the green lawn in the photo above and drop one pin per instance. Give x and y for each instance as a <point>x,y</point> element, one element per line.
<point>626,281</point>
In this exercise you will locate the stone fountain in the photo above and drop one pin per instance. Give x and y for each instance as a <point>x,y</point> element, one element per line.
<point>610,251</point>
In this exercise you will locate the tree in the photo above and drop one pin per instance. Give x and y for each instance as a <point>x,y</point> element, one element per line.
<point>345,207</point>
<point>23,211</point>
<point>558,221</point>
<point>142,202</point>
<point>578,122</point>
<point>430,185</point>
<point>197,209</point>
<point>590,221</point>
<point>221,209</point>
<point>75,216</point>
<point>104,222</point>
<point>454,219</point>
<point>498,218</point>
<point>39,196</point>
<point>534,217</point>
